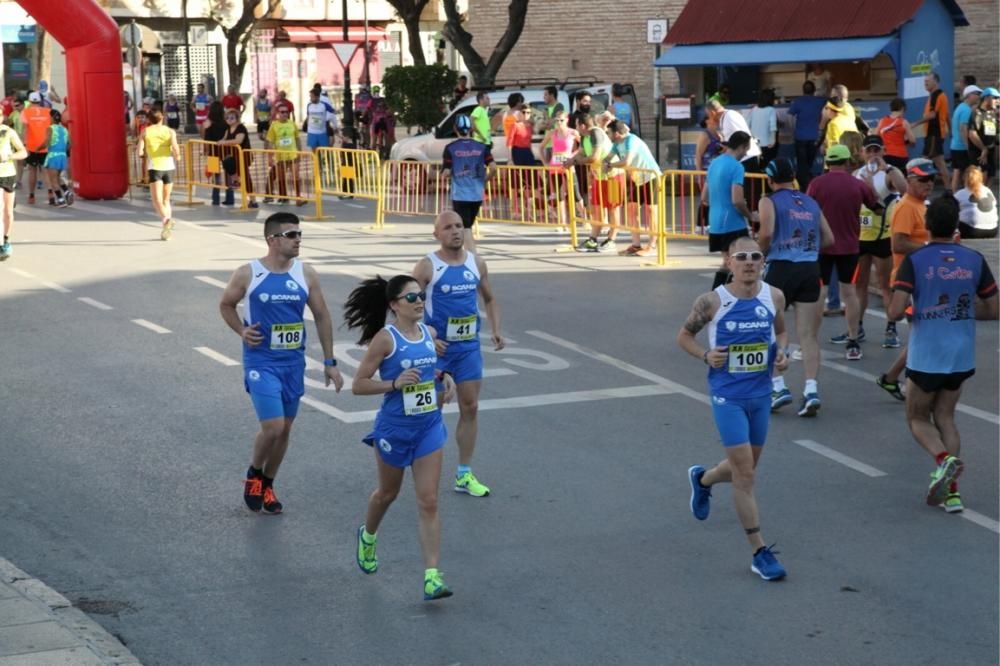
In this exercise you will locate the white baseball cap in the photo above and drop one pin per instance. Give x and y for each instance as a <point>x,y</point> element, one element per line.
<point>34,98</point>
<point>971,90</point>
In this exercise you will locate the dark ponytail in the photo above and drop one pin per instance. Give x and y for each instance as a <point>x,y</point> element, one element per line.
<point>368,304</point>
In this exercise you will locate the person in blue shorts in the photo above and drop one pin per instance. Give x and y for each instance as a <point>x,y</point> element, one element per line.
<point>408,430</point>
<point>454,279</point>
<point>951,286</point>
<point>275,290</point>
<point>746,336</point>
<point>57,160</point>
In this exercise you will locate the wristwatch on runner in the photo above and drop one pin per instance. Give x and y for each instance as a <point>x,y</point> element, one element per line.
<point>330,362</point>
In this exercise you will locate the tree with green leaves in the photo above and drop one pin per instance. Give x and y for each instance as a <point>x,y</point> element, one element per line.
<point>484,72</point>
<point>416,93</point>
<point>409,12</point>
<point>237,19</point>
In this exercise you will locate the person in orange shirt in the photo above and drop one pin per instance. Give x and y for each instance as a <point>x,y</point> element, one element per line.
<point>936,117</point>
<point>909,233</point>
<point>36,119</point>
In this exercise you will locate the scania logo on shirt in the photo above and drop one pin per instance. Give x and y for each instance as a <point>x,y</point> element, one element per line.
<point>430,345</point>
<point>253,375</point>
<point>750,325</point>
<point>730,325</point>
<point>292,285</point>
<point>468,276</point>
<point>264,298</point>
<point>445,288</point>
<point>385,445</point>
<point>761,311</point>
<point>427,360</point>
<point>405,363</point>
<point>459,287</point>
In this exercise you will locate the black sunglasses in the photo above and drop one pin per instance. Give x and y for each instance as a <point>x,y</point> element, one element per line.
<point>292,234</point>
<point>925,179</point>
<point>744,256</point>
<point>413,296</point>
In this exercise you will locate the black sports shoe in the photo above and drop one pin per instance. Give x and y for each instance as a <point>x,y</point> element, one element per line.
<point>271,504</point>
<point>253,493</point>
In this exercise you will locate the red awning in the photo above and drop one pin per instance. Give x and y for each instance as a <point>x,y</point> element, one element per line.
<point>300,34</point>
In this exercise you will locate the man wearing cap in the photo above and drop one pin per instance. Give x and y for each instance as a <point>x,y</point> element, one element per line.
<point>468,163</point>
<point>961,121</point>
<point>729,216</point>
<point>984,125</point>
<point>909,233</point>
<point>36,119</point>
<point>792,231</point>
<point>840,195</point>
<point>936,119</point>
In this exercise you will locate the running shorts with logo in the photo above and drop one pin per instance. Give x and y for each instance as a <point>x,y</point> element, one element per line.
<point>409,424</point>
<point>275,391</point>
<point>452,308</point>
<point>846,265</point>
<point>741,389</point>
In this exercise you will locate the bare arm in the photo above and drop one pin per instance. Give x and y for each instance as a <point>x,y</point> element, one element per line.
<point>766,232</point>
<point>422,272</point>
<point>826,238</point>
<point>780,333</point>
<point>988,308</point>
<point>378,349</point>
<point>231,296</point>
<point>897,306</point>
<point>901,244</point>
<point>490,303</point>
<point>20,152</point>
<point>908,133</point>
<point>740,204</point>
<point>175,148</point>
<point>897,179</point>
<point>324,325</point>
<point>702,312</point>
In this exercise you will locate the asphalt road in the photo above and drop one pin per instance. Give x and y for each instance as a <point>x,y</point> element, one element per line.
<point>124,444</point>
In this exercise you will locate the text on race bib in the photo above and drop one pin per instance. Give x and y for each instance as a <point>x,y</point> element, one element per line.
<point>287,336</point>
<point>867,220</point>
<point>461,328</point>
<point>285,141</point>
<point>419,398</point>
<point>317,122</point>
<point>263,116</point>
<point>748,358</point>
<point>989,128</point>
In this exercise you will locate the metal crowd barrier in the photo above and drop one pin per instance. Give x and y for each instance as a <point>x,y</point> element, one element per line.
<point>282,175</point>
<point>685,216</point>
<point>347,172</point>
<point>413,188</point>
<point>138,168</point>
<point>216,167</point>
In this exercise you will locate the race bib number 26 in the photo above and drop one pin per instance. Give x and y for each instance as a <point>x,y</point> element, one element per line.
<point>419,398</point>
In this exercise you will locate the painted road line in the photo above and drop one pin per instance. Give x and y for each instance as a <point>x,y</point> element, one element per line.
<point>97,304</point>
<point>243,239</point>
<point>24,274</point>
<point>216,356</point>
<point>981,520</point>
<point>45,283</point>
<point>155,328</point>
<point>191,225</point>
<point>989,417</point>
<point>622,365</point>
<point>837,456</point>
<point>210,280</point>
<point>354,205</point>
<point>89,207</point>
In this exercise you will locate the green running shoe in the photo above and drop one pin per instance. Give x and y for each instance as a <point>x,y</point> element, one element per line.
<point>366,553</point>
<point>434,586</point>
<point>953,503</point>
<point>467,483</point>
<point>941,478</point>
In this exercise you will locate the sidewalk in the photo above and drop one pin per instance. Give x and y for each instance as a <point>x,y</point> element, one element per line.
<point>40,627</point>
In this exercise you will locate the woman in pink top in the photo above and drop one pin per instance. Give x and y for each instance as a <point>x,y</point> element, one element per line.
<point>563,142</point>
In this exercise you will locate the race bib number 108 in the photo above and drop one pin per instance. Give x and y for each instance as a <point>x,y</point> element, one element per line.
<point>287,336</point>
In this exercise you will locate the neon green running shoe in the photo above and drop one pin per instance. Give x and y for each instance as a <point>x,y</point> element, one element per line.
<point>468,483</point>
<point>953,503</point>
<point>434,586</point>
<point>941,478</point>
<point>366,553</point>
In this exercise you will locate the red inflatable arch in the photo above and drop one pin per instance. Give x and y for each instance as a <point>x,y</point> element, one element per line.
<point>94,86</point>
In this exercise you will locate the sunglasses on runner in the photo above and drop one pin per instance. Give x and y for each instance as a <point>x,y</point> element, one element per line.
<point>925,179</point>
<point>292,234</point>
<point>745,256</point>
<point>414,295</point>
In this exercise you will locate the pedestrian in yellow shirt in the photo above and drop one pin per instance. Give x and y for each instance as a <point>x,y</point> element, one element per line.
<point>283,136</point>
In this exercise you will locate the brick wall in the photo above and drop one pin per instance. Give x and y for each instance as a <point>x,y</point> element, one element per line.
<point>977,47</point>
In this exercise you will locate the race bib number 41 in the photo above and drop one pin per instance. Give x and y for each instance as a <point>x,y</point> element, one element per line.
<point>748,358</point>
<point>461,328</point>
<point>287,336</point>
<point>419,398</point>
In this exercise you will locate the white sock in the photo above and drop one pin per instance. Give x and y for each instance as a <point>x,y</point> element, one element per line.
<point>778,383</point>
<point>811,386</point>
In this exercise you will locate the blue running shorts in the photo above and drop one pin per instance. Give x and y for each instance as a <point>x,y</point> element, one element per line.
<point>399,445</point>
<point>464,366</point>
<point>742,420</point>
<point>317,141</point>
<point>275,391</point>
<point>55,162</point>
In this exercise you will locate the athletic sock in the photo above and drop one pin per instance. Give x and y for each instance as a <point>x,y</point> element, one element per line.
<point>429,572</point>
<point>757,552</point>
<point>268,481</point>
<point>778,383</point>
<point>462,469</point>
<point>953,488</point>
<point>811,386</point>
<point>254,472</point>
<point>366,537</point>
<point>939,458</point>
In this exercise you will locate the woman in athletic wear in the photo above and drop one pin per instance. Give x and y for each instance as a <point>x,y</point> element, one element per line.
<point>409,430</point>
<point>159,144</point>
<point>12,151</point>
<point>56,160</point>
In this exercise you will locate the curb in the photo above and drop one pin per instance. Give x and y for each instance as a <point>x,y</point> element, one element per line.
<point>65,634</point>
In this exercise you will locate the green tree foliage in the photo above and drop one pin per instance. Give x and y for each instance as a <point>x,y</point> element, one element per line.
<point>417,93</point>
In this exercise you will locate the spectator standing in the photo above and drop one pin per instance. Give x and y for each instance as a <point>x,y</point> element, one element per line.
<point>631,151</point>
<point>961,136</point>
<point>806,109</point>
<point>215,129</point>
<point>233,100</point>
<point>481,120</point>
<point>985,122</point>
<point>460,91</point>
<point>897,135</point>
<point>936,118</point>
<point>621,109</point>
<point>977,217</point>
<point>763,124</point>
<point>821,79</point>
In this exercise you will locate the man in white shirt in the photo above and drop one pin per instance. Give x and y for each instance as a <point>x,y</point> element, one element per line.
<point>733,121</point>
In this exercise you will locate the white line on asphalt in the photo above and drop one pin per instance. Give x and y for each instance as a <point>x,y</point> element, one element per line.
<point>216,356</point>
<point>210,280</point>
<point>981,520</point>
<point>155,328</point>
<point>354,205</point>
<point>44,283</point>
<point>191,225</point>
<point>622,365</point>
<point>243,239</point>
<point>93,303</point>
<point>314,225</point>
<point>24,274</point>
<point>837,456</point>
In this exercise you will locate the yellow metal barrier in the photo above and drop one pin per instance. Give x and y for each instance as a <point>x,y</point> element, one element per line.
<point>536,195</point>
<point>138,173</point>
<point>629,199</point>
<point>346,172</point>
<point>686,217</point>
<point>216,167</point>
<point>413,188</point>
<point>283,175</point>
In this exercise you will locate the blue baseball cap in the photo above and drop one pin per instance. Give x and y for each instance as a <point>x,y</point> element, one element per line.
<point>463,123</point>
<point>991,92</point>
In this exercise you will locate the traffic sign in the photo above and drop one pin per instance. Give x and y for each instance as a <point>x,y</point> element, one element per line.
<point>345,52</point>
<point>132,34</point>
<point>133,55</point>
<point>656,30</point>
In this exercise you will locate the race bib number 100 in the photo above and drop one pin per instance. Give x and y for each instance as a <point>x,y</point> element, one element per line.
<point>419,398</point>
<point>461,328</point>
<point>287,336</point>
<point>748,358</point>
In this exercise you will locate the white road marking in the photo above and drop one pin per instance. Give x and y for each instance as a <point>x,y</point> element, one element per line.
<point>839,457</point>
<point>191,225</point>
<point>216,356</point>
<point>243,239</point>
<point>93,303</point>
<point>354,205</point>
<point>24,274</point>
<point>45,283</point>
<point>622,365</point>
<point>210,280</point>
<point>89,207</point>
<point>155,328</point>
<point>981,520</point>
<point>314,225</point>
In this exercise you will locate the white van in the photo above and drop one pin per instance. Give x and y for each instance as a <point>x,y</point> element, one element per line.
<point>429,147</point>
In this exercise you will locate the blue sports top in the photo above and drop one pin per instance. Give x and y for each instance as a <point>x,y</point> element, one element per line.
<point>452,306</point>
<point>944,280</point>
<point>746,327</point>
<point>414,405</point>
<point>467,160</point>
<point>277,301</point>
<point>724,172</point>
<point>796,227</point>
